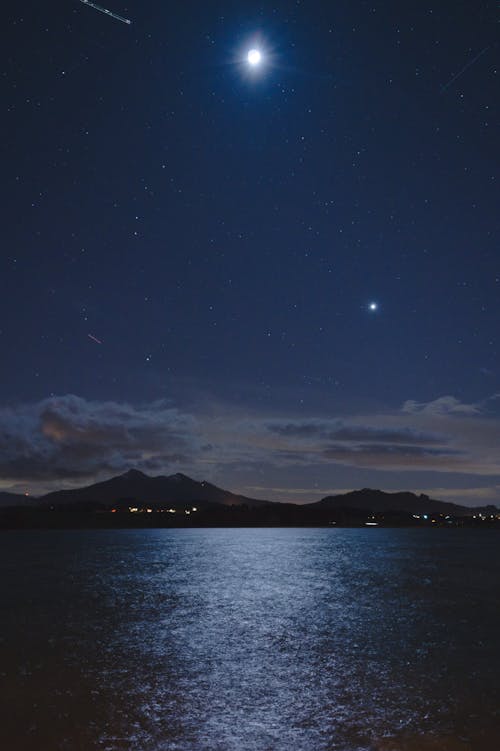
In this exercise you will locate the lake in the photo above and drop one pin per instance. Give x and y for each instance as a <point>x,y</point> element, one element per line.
<point>250,640</point>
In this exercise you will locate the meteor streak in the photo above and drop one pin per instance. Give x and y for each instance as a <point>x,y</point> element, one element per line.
<point>91,336</point>
<point>106,11</point>
<point>462,70</point>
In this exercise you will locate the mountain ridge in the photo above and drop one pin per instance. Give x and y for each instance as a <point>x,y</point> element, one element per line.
<point>14,499</point>
<point>405,501</point>
<point>135,487</point>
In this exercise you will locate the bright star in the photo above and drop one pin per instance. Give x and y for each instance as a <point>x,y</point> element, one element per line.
<point>254,57</point>
<point>373,306</point>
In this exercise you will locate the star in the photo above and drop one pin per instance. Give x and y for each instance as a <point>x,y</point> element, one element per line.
<point>254,57</point>
<point>373,307</point>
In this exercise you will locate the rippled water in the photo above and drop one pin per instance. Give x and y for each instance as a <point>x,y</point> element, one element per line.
<point>250,640</point>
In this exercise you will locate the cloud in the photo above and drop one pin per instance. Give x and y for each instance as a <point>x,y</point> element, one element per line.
<point>394,456</point>
<point>297,429</point>
<point>339,430</point>
<point>67,440</point>
<point>445,405</point>
<point>70,437</point>
<point>444,435</point>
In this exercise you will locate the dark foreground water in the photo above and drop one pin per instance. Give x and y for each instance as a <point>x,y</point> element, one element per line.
<point>250,640</point>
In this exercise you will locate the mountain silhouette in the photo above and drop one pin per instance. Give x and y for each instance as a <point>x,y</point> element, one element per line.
<point>178,490</point>
<point>137,487</point>
<point>14,499</point>
<point>380,501</point>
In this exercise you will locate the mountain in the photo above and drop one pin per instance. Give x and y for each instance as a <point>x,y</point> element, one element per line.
<point>136,487</point>
<point>378,500</point>
<point>14,499</point>
<point>79,508</point>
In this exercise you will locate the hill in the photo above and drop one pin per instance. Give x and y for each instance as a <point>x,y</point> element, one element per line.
<point>136,487</point>
<point>14,499</point>
<point>380,501</point>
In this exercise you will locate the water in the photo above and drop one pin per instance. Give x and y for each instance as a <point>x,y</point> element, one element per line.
<point>250,640</point>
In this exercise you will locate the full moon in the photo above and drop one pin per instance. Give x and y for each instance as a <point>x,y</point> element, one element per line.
<point>254,57</point>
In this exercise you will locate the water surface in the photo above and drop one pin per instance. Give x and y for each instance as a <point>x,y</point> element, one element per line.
<point>250,640</point>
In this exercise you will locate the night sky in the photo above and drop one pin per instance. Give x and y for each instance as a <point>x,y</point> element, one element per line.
<point>283,279</point>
